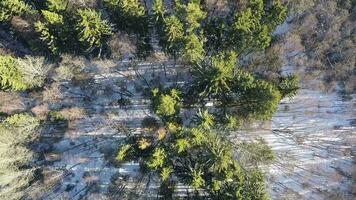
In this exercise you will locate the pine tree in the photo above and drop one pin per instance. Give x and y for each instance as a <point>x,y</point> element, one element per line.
<point>52,31</point>
<point>276,14</point>
<point>172,36</point>
<point>193,51</point>
<point>21,74</point>
<point>92,30</point>
<point>122,153</point>
<point>128,14</point>
<point>166,172</point>
<point>260,101</point>
<point>57,5</point>
<point>288,85</point>
<point>204,119</point>
<point>193,16</point>
<point>158,158</point>
<point>10,76</point>
<point>10,8</point>
<point>197,179</point>
<point>158,9</point>
<point>166,104</point>
<point>214,78</point>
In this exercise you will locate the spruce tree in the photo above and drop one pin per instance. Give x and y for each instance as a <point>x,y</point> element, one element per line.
<point>92,30</point>
<point>11,8</point>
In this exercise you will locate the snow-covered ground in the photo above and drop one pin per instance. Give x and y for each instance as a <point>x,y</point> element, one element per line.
<point>313,136</point>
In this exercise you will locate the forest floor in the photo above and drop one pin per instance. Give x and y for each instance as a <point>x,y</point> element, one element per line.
<point>313,135</point>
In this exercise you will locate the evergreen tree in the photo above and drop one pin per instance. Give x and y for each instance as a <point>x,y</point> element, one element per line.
<point>57,5</point>
<point>193,16</point>
<point>259,101</point>
<point>207,165</point>
<point>166,104</point>
<point>10,76</point>
<point>21,74</point>
<point>158,158</point>
<point>173,33</point>
<point>288,85</point>
<point>193,51</point>
<point>92,30</point>
<point>128,14</point>
<point>158,9</point>
<point>275,15</point>
<point>53,31</point>
<point>16,172</point>
<point>215,76</point>
<point>10,8</point>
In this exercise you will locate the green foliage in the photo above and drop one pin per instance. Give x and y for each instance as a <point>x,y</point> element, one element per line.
<point>193,16</point>
<point>204,119</point>
<point>193,51</point>
<point>232,122</point>
<point>255,187</point>
<point>220,154</point>
<point>122,153</point>
<point>62,31</point>
<point>16,173</point>
<point>129,14</point>
<point>158,157</point>
<point>196,136</point>
<point>10,76</point>
<point>276,14</point>
<point>158,9</point>
<point>57,5</point>
<point>166,104</point>
<point>245,22</point>
<point>249,30</point>
<point>260,101</point>
<point>235,88</point>
<point>53,31</point>
<point>165,173</point>
<point>216,75</point>
<point>10,8</point>
<point>289,86</point>
<point>258,152</point>
<point>173,34</point>
<point>21,74</point>
<point>56,116</point>
<point>52,17</point>
<point>132,8</point>
<point>93,31</point>
<point>197,179</point>
<point>143,143</point>
<point>181,145</point>
<point>204,160</point>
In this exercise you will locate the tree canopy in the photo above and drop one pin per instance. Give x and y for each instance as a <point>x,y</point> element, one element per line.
<point>16,172</point>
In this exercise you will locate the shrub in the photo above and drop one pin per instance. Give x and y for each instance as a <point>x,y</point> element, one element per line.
<point>34,71</point>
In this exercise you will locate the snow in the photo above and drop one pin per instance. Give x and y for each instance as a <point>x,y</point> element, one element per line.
<point>312,136</point>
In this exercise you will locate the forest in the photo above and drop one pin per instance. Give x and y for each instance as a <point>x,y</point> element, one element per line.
<point>138,99</point>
